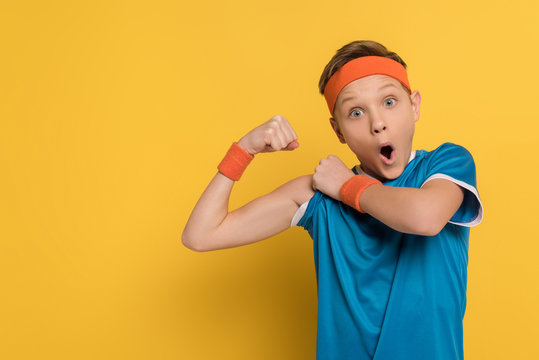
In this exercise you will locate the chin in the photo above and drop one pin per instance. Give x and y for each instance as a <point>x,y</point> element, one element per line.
<point>390,175</point>
<point>383,173</point>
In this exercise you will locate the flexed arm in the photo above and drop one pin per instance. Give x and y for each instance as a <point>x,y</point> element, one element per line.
<point>211,226</point>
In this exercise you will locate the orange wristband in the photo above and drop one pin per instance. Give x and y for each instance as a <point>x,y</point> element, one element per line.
<point>352,189</point>
<point>235,162</point>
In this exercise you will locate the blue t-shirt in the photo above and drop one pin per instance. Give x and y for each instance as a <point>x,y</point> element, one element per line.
<point>386,295</point>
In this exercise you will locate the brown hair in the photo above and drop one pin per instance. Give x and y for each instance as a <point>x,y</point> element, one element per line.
<point>354,50</point>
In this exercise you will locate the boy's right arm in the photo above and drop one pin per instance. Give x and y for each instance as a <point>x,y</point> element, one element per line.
<point>212,227</point>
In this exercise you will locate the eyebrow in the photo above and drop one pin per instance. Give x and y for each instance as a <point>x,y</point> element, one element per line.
<point>379,89</point>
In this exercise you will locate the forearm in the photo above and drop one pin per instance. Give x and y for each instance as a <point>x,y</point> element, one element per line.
<point>401,209</point>
<point>410,210</point>
<point>209,212</point>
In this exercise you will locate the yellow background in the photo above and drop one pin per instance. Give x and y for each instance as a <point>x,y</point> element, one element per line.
<point>114,115</point>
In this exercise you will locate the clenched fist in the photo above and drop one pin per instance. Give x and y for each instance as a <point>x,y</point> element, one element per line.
<point>273,135</point>
<point>330,175</point>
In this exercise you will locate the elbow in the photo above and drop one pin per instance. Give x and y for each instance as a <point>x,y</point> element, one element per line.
<point>427,230</point>
<point>427,225</point>
<point>192,242</point>
<point>425,218</point>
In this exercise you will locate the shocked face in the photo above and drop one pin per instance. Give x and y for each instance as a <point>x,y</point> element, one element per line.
<point>376,117</point>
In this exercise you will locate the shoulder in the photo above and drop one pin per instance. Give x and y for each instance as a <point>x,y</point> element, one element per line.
<point>300,189</point>
<point>448,154</point>
<point>450,149</point>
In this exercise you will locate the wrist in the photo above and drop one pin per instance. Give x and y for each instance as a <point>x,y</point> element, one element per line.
<point>244,145</point>
<point>353,188</point>
<point>235,162</point>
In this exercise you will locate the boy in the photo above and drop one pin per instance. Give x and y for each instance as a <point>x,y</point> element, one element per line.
<point>390,235</point>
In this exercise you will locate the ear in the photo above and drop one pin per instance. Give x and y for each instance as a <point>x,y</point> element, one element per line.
<point>415,97</point>
<point>337,129</point>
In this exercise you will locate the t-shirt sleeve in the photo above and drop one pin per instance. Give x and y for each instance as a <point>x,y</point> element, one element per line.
<point>304,215</point>
<point>456,164</point>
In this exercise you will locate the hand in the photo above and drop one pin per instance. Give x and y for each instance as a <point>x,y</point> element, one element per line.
<point>273,135</point>
<point>330,176</point>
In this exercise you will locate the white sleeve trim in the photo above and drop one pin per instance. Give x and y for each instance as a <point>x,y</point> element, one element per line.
<point>468,187</point>
<point>299,213</point>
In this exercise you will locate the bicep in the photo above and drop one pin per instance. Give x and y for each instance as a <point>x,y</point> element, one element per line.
<point>263,217</point>
<point>443,198</point>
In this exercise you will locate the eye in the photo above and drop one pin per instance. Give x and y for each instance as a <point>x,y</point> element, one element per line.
<point>389,102</point>
<point>355,113</point>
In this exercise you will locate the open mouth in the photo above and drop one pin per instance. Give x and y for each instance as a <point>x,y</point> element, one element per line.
<point>386,151</point>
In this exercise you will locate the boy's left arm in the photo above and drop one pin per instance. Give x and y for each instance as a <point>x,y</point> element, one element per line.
<point>423,211</point>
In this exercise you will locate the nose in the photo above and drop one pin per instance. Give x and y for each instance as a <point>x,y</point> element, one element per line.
<point>378,124</point>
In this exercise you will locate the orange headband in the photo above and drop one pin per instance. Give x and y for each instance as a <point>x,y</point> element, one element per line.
<point>359,68</point>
